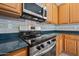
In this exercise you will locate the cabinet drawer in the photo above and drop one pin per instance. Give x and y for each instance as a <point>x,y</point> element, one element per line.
<point>70,36</point>
<point>74,37</point>
<point>67,36</point>
<point>20,52</point>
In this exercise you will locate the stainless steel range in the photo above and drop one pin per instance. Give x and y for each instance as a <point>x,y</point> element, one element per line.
<point>39,45</point>
<point>46,48</point>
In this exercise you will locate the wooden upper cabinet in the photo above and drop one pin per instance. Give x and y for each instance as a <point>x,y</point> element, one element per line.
<point>64,14</point>
<point>74,12</point>
<point>52,13</point>
<point>49,12</point>
<point>55,14</point>
<point>14,9</point>
<point>69,13</point>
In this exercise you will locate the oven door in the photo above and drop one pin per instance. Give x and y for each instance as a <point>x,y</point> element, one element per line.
<point>51,52</point>
<point>48,51</point>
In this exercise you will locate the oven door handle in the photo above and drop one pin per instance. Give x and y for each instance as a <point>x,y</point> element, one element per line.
<point>45,51</point>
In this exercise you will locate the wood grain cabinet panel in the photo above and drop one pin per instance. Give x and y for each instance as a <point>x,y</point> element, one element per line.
<point>74,12</point>
<point>64,14</point>
<point>70,46</point>
<point>59,44</point>
<point>52,13</point>
<point>11,9</point>
<point>20,52</point>
<point>78,47</point>
<point>15,7</point>
<point>49,12</point>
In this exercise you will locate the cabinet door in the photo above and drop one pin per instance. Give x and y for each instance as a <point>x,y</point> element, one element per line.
<point>52,13</point>
<point>49,12</point>
<point>59,44</point>
<point>15,7</point>
<point>64,14</point>
<point>20,52</point>
<point>70,46</point>
<point>55,14</point>
<point>74,13</point>
<point>78,47</point>
<point>11,8</point>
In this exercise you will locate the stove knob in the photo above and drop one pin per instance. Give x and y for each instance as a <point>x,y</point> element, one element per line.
<point>38,47</point>
<point>32,41</point>
<point>48,42</point>
<point>42,45</point>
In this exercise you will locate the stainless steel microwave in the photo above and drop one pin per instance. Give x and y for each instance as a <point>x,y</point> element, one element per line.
<point>34,9</point>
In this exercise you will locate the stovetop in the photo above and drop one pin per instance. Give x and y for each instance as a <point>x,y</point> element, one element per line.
<point>33,38</point>
<point>40,40</point>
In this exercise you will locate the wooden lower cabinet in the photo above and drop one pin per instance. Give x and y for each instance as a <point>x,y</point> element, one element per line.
<point>70,46</point>
<point>20,52</point>
<point>59,44</point>
<point>67,44</point>
<point>78,47</point>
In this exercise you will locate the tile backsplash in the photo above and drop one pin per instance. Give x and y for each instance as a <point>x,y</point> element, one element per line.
<point>8,25</point>
<point>12,25</point>
<point>67,27</point>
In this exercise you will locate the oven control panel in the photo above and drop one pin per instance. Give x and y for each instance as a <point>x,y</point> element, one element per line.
<point>45,44</point>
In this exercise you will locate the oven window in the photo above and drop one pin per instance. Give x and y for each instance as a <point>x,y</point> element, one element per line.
<point>52,52</point>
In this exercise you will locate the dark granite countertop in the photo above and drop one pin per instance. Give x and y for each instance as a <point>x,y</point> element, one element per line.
<point>11,46</point>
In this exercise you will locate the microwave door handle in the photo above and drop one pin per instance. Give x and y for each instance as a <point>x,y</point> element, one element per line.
<point>42,11</point>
